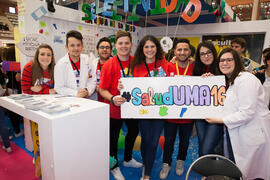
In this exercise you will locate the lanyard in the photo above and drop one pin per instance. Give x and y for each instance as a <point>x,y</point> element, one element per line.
<point>74,65</point>
<point>155,69</point>
<point>122,66</point>
<point>177,69</point>
<point>99,65</point>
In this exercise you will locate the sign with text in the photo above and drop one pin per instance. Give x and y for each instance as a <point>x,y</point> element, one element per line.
<point>189,97</point>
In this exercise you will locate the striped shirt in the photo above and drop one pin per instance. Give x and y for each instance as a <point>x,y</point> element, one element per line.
<point>46,82</point>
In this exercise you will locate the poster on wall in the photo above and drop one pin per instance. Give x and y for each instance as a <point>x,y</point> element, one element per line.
<point>29,44</point>
<point>186,97</point>
<point>254,47</point>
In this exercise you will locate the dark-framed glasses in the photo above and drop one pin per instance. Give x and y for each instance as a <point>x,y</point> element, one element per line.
<point>207,53</point>
<point>104,47</point>
<point>226,59</point>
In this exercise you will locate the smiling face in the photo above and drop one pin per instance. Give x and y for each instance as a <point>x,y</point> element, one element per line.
<point>74,48</point>
<point>104,50</point>
<point>227,64</point>
<point>123,46</point>
<point>182,51</point>
<point>149,50</point>
<point>206,56</point>
<point>44,58</point>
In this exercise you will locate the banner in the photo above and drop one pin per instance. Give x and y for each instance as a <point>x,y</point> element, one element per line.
<point>189,97</point>
<point>254,44</point>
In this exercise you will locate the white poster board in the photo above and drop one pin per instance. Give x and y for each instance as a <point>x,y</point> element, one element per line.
<point>187,97</point>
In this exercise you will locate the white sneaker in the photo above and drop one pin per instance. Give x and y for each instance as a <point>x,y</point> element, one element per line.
<point>8,150</point>
<point>132,163</point>
<point>117,174</point>
<point>164,171</point>
<point>180,167</point>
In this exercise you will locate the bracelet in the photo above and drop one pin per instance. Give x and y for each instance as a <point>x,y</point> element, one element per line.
<point>112,100</point>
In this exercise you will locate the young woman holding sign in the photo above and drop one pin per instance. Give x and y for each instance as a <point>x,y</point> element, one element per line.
<point>209,135</point>
<point>149,61</point>
<point>246,117</point>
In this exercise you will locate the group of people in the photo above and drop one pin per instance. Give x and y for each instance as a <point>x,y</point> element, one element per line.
<point>246,113</point>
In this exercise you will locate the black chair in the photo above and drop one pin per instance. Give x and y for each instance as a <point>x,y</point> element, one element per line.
<point>215,165</point>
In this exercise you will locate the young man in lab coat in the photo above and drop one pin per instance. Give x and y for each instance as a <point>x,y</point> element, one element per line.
<point>74,73</point>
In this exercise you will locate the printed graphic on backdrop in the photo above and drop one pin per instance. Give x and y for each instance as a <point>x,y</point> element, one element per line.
<point>89,44</point>
<point>173,97</point>
<point>254,44</point>
<point>29,44</point>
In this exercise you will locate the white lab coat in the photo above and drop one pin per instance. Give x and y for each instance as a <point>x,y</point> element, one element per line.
<point>248,120</point>
<point>65,80</point>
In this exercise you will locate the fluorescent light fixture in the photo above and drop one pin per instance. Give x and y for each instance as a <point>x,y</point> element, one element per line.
<point>12,10</point>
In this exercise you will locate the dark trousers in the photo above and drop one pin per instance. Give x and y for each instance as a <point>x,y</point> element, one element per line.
<point>133,130</point>
<point>15,121</point>
<point>170,131</point>
<point>150,132</point>
<point>4,129</point>
<point>209,136</point>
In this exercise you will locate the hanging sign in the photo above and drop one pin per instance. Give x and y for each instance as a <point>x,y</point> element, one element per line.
<point>186,97</point>
<point>110,7</point>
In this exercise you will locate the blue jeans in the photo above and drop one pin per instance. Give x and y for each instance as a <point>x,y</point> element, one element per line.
<point>150,132</point>
<point>4,129</point>
<point>209,136</point>
<point>229,146</point>
<point>170,131</point>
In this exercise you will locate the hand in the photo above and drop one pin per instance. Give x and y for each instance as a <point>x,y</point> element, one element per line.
<point>214,120</point>
<point>36,88</point>
<point>52,91</point>
<point>120,86</point>
<point>173,60</point>
<point>82,93</point>
<point>18,77</point>
<point>191,60</point>
<point>97,88</point>
<point>118,100</point>
<point>207,74</point>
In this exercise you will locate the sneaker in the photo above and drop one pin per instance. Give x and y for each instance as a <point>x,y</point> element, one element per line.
<point>164,171</point>
<point>19,134</point>
<point>8,150</point>
<point>117,174</point>
<point>132,163</point>
<point>142,178</point>
<point>180,167</point>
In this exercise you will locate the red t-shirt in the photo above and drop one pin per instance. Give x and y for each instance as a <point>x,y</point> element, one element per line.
<point>173,72</point>
<point>46,82</point>
<point>99,67</point>
<point>111,72</point>
<point>141,70</point>
<point>77,64</point>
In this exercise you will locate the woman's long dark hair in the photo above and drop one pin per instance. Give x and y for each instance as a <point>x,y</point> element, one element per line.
<point>37,71</point>
<point>139,56</point>
<point>239,67</point>
<point>199,67</point>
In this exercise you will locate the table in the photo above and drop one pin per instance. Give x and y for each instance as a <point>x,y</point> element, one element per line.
<point>73,144</point>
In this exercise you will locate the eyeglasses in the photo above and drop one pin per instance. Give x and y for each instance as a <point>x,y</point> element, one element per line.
<point>227,60</point>
<point>207,53</point>
<point>104,47</point>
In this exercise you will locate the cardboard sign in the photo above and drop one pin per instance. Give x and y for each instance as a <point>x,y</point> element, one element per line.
<point>189,97</point>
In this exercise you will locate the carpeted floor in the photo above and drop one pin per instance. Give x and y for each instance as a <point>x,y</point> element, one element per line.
<point>19,162</point>
<point>16,165</point>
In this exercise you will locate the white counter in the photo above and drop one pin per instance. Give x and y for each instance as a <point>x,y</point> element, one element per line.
<point>73,144</point>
